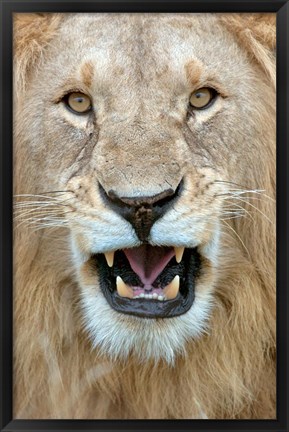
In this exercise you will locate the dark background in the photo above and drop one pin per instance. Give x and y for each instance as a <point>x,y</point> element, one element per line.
<point>6,275</point>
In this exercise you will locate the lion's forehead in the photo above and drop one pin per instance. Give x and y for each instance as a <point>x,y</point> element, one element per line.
<point>150,48</point>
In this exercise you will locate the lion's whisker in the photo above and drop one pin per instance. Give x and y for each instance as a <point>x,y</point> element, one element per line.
<point>44,207</point>
<point>253,191</point>
<point>230,182</point>
<point>232,217</point>
<point>24,215</point>
<point>36,196</point>
<point>237,235</point>
<point>53,201</point>
<point>43,225</point>
<point>55,192</point>
<point>242,210</point>
<point>256,208</point>
<point>241,187</point>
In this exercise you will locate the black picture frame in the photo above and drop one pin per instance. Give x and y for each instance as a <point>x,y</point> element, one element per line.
<point>281,8</point>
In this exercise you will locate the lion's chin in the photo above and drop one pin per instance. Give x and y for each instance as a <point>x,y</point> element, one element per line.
<point>148,281</point>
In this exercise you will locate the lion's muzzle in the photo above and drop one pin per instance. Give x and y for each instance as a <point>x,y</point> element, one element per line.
<point>146,280</point>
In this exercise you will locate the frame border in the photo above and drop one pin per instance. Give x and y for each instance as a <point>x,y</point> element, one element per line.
<point>7,7</point>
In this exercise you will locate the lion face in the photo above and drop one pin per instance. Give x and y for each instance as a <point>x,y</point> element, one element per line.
<point>144,121</point>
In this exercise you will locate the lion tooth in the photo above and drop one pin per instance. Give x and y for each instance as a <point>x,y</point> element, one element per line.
<point>122,289</point>
<point>179,251</point>
<point>109,256</point>
<point>171,290</point>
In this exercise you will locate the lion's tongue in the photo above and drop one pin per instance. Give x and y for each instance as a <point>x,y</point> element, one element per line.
<point>148,261</point>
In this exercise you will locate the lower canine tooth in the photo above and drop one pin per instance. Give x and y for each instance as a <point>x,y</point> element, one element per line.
<point>122,289</point>
<point>179,251</point>
<point>171,290</point>
<point>109,256</point>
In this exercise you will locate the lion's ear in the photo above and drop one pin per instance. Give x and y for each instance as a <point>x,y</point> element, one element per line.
<point>256,32</point>
<point>31,34</point>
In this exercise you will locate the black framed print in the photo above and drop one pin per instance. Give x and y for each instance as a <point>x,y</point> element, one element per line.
<point>144,204</point>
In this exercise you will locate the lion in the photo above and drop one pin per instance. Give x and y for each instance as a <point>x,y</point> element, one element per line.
<point>144,247</point>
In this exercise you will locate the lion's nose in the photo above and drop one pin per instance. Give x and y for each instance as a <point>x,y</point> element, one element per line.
<point>142,211</point>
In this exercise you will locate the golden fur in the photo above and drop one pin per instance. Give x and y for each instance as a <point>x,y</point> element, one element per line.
<point>228,371</point>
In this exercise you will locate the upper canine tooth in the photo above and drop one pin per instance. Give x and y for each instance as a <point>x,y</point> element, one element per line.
<point>122,289</point>
<point>179,251</point>
<point>109,256</point>
<point>171,290</point>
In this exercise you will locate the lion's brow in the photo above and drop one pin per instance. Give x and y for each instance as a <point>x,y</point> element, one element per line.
<point>87,72</point>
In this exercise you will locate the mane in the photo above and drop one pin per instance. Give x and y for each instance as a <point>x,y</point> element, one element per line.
<point>57,375</point>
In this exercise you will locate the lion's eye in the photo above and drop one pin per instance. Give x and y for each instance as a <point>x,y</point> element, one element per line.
<point>202,97</point>
<point>78,102</point>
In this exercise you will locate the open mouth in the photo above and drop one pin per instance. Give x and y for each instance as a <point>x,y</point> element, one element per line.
<point>149,282</point>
